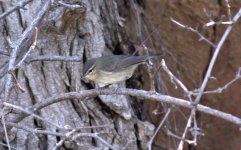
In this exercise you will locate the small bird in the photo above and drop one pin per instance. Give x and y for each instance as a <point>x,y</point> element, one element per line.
<point>112,69</point>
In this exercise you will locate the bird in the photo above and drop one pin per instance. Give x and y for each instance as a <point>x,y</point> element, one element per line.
<point>112,69</point>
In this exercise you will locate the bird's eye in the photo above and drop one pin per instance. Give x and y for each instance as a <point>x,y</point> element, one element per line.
<point>91,69</point>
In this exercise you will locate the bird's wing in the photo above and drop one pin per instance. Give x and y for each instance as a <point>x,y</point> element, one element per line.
<point>125,61</point>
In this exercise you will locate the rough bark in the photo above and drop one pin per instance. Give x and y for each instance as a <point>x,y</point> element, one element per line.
<point>101,27</point>
<point>90,31</point>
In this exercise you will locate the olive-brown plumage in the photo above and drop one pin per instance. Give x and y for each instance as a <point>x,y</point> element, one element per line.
<point>112,68</point>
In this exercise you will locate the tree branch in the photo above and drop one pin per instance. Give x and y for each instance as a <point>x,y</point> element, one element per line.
<point>20,43</point>
<point>20,4</point>
<point>33,58</point>
<point>123,91</point>
<point>158,129</point>
<point>215,56</point>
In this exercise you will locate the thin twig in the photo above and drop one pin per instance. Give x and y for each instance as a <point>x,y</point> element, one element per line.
<point>30,113</point>
<point>3,52</point>
<point>67,135</point>
<point>35,131</point>
<point>180,146</point>
<point>33,58</point>
<point>57,145</point>
<point>20,4</point>
<point>71,6</point>
<point>5,129</point>
<point>19,44</point>
<point>178,137</point>
<point>94,135</point>
<point>128,143</point>
<point>212,23</point>
<point>7,145</point>
<point>215,55</point>
<point>195,131</point>
<point>64,135</point>
<point>193,30</point>
<point>173,78</point>
<point>220,22</point>
<point>221,89</point>
<point>91,127</point>
<point>32,47</point>
<point>228,10</point>
<point>17,83</point>
<point>158,129</point>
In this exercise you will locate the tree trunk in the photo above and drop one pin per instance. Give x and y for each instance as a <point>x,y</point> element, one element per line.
<point>69,32</point>
<point>92,30</point>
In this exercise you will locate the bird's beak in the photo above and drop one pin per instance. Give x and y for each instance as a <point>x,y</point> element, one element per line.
<point>82,78</point>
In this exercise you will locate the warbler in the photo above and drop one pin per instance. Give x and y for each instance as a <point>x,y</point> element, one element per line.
<point>112,69</point>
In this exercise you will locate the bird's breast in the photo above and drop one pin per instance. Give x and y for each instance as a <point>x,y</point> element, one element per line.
<point>115,77</point>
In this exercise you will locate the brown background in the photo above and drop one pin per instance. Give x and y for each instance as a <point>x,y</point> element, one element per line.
<point>192,59</point>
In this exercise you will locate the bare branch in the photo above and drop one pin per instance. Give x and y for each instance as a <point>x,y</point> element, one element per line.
<point>7,145</point>
<point>178,137</point>
<point>51,123</point>
<point>193,30</point>
<point>92,127</point>
<point>17,83</point>
<point>136,93</point>
<point>31,114</point>
<point>5,129</point>
<point>20,4</point>
<point>180,146</point>
<point>195,131</point>
<point>19,44</point>
<point>35,131</point>
<point>3,52</point>
<point>30,49</point>
<point>221,89</point>
<point>215,55</point>
<point>33,58</point>
<point>158,129</point>
<point>228,10</point>
<point>71,6</point>
<point>67,135</point>
<point>64,135</point>
<point>212,23</point>
<point>94,135</point>
<point>220,22</point>
<point>172,77</point>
